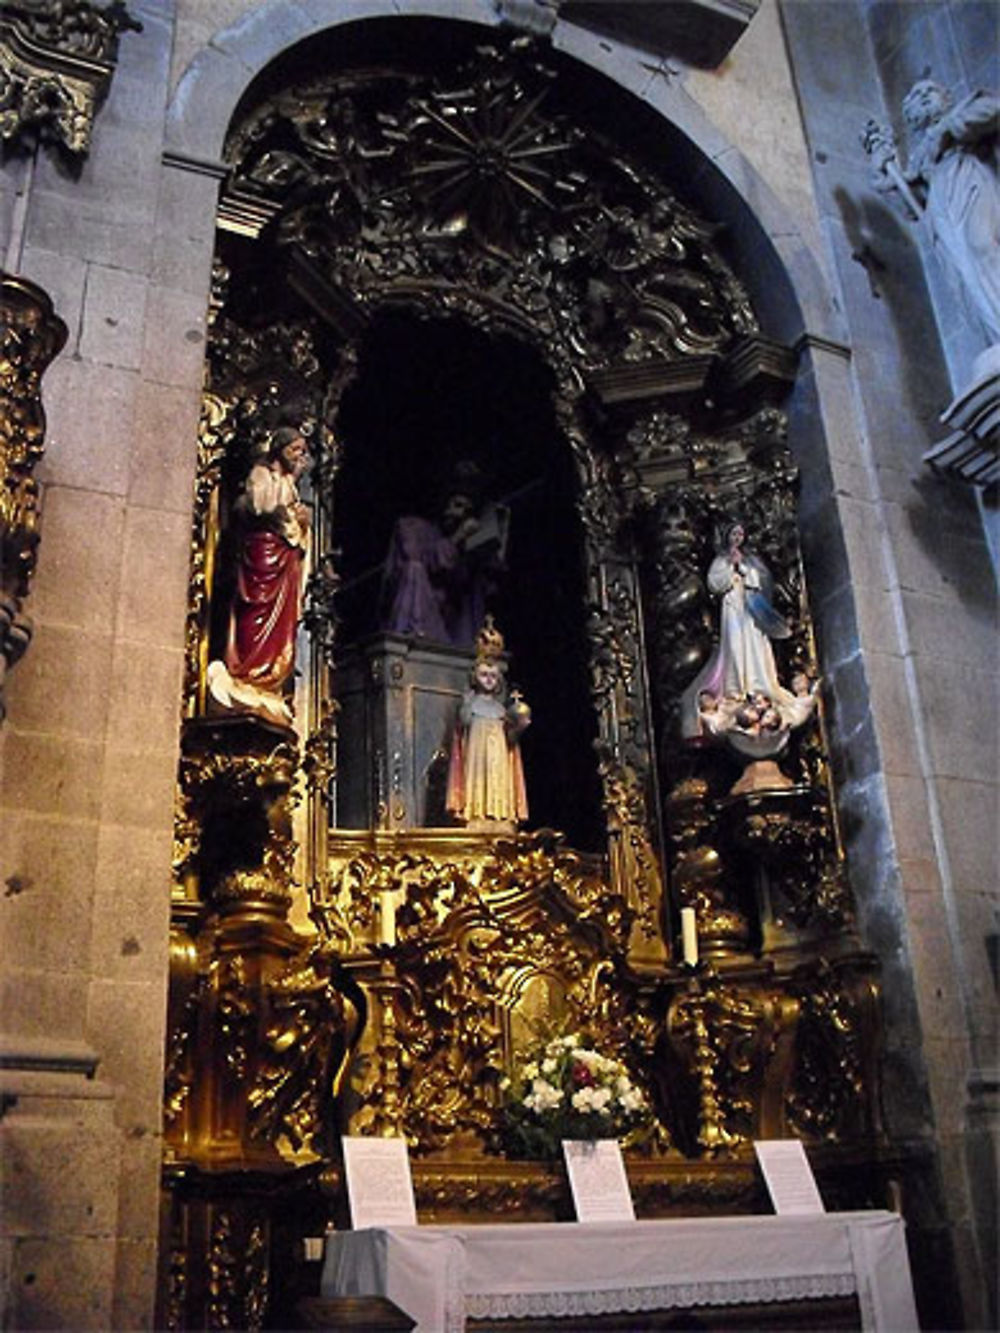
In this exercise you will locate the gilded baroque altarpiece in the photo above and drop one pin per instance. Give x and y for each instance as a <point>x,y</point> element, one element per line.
<point>384,974</point>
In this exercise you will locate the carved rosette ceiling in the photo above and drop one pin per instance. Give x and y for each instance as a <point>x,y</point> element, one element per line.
<point>31,335</point>
<point>56,65</point>
<point>488,194</point>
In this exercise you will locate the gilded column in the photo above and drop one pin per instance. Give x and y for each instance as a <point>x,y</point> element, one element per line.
<point>31,336</point>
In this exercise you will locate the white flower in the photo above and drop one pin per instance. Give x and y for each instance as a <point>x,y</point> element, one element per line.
<point>547,1086</point>
<point>632,1101</point>
<point>543,1097</point>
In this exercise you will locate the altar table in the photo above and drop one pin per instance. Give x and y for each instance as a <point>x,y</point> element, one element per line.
<point>443,1275</point>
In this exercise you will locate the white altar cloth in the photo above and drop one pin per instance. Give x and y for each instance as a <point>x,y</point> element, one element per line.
<point>443,1275</point>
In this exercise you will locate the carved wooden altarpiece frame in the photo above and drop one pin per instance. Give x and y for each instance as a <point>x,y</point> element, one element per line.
<point>482,189</point>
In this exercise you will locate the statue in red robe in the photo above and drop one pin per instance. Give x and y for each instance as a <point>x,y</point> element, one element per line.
<point>260,648</point>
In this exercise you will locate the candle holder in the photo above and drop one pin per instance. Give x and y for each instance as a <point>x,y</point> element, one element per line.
<point>383,1093</point>
<point>689,1029</point>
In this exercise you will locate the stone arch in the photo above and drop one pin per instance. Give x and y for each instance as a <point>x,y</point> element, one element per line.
<point>791,290</point>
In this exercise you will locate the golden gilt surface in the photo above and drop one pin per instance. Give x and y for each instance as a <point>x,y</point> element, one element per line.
<point>435,957</point>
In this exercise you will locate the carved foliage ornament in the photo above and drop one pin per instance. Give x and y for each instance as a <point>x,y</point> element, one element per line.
<point>31,335</point>
<point>469,939</point>
<point>229,786</point>
<point>484,190</point>
<point>258,1049</point>
<point>57,58</point>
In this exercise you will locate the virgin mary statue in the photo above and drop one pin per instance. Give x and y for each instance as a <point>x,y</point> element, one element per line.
<point>742,667</point>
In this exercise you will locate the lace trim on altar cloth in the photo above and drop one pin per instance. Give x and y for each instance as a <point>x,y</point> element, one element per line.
<point>454,1305</point>
<point>566,1304</point>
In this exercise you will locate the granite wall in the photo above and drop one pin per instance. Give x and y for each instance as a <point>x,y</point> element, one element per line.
<point>89,748</point>
<point>924,631</point>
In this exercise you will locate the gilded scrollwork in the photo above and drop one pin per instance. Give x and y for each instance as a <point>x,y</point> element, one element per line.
<point>56,66</point>
<point>178,1071</point>
<point>737,1040</point>
<point>223,1268</point>
<point>178,1266</point>
<point>31,335</point>
<point>394,181</point>
<point>258,1049</point>
<point>484,194</point>
<point>302,1063</point>
<point>233,822</point>
<point>319,763</point>
<point>256,1258</point>
<point>470,934</point>
<point>791,837</point>
<point>834,1093</point>
<point>236,1013</point>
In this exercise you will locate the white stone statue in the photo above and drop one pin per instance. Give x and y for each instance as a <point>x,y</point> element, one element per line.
<point>953,180</point>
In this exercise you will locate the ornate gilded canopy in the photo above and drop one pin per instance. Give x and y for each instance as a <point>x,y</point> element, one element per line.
<point>445,252</point>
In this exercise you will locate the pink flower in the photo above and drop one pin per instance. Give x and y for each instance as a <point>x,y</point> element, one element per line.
<point>582,1077</point>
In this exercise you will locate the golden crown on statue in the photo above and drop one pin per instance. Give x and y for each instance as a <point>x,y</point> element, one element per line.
<point>489,642</point>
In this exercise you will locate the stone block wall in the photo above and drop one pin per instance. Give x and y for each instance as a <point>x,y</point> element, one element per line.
<point>923,589</point>
<point>89,747</point>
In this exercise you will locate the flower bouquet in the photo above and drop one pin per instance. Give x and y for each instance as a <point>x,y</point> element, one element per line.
<point>566,1090</point>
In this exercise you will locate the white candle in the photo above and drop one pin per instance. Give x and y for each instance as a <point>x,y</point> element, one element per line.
<point>386,917</point>
<point>689,936</point>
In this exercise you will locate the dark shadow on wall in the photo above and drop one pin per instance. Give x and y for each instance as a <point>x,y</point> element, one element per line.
<point>942,513</point>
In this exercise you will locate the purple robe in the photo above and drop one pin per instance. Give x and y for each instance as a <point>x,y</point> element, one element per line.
<point>431,589</point>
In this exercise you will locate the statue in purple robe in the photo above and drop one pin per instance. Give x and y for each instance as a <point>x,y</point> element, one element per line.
<point>438,576</point>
